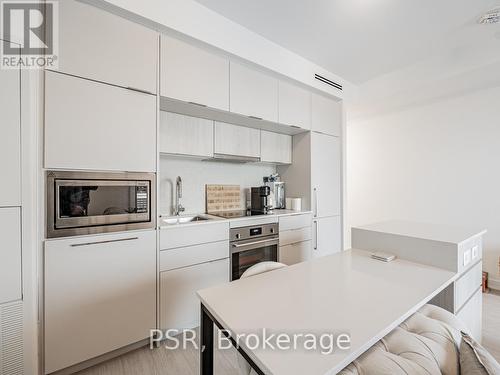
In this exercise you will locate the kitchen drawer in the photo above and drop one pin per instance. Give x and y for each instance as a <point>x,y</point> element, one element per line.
<point>467,285</point>
<point>189,235</point>
<point>179,304</point>
<point>295,222</point>
<point>471,315</point>
<point>296,235</point>
<point>295,253</point>
<point>187,256</point>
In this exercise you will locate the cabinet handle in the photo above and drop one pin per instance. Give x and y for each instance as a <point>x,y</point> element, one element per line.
<point>255,117</point>
<point>198,104</point>
<point>315,202</point>
<point>104,241</point>
<point>316,237</point>
<point>139,90</point>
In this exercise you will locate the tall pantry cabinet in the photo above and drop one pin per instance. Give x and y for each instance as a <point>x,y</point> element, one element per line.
<point>316,173</point>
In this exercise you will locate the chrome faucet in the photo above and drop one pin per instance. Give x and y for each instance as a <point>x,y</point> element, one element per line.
<point>178,195</point>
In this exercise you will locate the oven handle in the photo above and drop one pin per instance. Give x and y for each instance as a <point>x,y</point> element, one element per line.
<point>253,245</point>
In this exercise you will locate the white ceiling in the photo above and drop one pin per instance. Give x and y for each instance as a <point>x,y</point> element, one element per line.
<point>379,45</point>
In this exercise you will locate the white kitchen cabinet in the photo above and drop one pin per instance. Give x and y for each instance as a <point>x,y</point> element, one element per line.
<point>10,254</point>
<point>233,140</point>
<point>186,235</point>
<point>179,304</point>
<point>295,253</point>
<point>101,46</point>
<point>100,295</point>
<point>253,93</point>
<point>327,236</point>
<point>325,175</point>
<point>186,135</point>
<point>294,105</point>
<point>326,115</point>
<point>275,147</point>
<point>193,74</point>
<point>471,315</point>
<point>10,141</point>
<point>90,125</point>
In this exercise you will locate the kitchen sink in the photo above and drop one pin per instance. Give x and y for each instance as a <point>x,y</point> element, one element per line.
<point>172,220</point>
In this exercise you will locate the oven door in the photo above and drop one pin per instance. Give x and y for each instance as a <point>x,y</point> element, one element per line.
<point>245,254</point>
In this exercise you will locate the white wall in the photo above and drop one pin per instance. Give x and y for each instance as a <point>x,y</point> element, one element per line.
<point>196,174</point>
<point>438,163</point>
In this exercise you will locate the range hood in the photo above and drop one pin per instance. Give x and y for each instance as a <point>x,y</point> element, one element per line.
<point>237,159</point>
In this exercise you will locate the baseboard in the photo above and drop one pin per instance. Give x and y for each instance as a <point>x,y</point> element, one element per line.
<point>494,284</point>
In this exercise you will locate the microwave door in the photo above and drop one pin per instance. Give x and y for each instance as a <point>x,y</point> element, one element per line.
<point>82,203</point>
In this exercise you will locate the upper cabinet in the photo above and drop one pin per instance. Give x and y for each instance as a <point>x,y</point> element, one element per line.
<point>326,115</point>
<point>98,45</point>
<point>294,105</point>
<point>10,141</point>
<point>275,148</point>
<point>253,93</point>
<point>234,141</point>
<point>193,74</point>
<point>186,135</point>
<point>90,125</point>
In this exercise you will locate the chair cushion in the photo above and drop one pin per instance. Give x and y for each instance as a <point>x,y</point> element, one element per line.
<point>475,360</point>
<point>426,343</point>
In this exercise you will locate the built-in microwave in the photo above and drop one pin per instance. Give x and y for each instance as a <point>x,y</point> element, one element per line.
<point>91,202</point>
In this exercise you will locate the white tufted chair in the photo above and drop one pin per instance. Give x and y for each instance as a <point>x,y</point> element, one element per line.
<point>426,343</point>
<point>256,269</point>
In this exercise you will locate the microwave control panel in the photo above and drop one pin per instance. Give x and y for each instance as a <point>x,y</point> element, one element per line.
<point>141,195</point>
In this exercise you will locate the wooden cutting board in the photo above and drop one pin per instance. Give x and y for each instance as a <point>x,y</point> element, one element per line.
<point>222,198</point>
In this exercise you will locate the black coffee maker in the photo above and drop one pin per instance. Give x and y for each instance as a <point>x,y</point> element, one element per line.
<point>260,203</point>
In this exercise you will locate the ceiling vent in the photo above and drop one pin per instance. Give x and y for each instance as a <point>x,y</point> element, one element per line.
<point>328,82</point>
<point>490,17</point>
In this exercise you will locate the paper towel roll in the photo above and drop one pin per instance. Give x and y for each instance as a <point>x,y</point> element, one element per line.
<point>294,204</point>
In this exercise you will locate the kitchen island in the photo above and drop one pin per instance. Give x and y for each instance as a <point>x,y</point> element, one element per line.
<point>347,293</point>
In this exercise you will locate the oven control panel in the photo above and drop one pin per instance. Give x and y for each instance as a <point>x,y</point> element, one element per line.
<point>237,234</point>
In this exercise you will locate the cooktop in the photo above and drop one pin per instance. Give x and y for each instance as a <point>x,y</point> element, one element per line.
<point>236,214</point>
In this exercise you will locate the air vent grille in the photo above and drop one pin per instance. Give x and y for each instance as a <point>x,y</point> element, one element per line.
<point>328,82</point>
<point>11,339</point>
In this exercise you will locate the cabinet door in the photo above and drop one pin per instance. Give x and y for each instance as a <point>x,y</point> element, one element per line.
<point>101,290</point>
<point>325,175</point>
<point>10,141</point>
<point>236,140</point>
<point>253,93</point>
<point>326,115</point>
<point>294,105</point>
<point>98,45</point>
<point>179,304</point>
<point>471,315</point>
<point>186,135</point>
<point>89,125</point>
<point>327,236</point>
<point>193,74</point>
<point>295,253</point>
<point>275,148</point>
<point>10,254</point>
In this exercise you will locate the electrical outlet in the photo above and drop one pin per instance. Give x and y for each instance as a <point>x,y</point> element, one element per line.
<point>467,257</point>
<point>475,252</point>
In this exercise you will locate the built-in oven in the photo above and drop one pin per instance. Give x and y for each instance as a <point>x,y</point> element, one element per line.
<point>252,245</point>
<point>91,202</point>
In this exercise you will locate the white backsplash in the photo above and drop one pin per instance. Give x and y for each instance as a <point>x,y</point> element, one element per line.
<point>196,174</point>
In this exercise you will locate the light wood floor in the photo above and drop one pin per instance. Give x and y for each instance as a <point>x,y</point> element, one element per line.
<point>185,362</point>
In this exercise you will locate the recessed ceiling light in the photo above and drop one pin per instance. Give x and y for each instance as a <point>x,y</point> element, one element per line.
<point>492,16</point>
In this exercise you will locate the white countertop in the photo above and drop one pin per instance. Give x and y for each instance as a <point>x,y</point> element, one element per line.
<point>347,292</point>
<point>274,216</point>
<point>434,232</point>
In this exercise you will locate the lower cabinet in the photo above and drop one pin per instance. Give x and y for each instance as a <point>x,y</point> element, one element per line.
<point>10,255</point>
<point>470,314</point>
<point>179,304</point>
<point>100,295</point>
<point>295,253</point>
<point>327,236</point>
